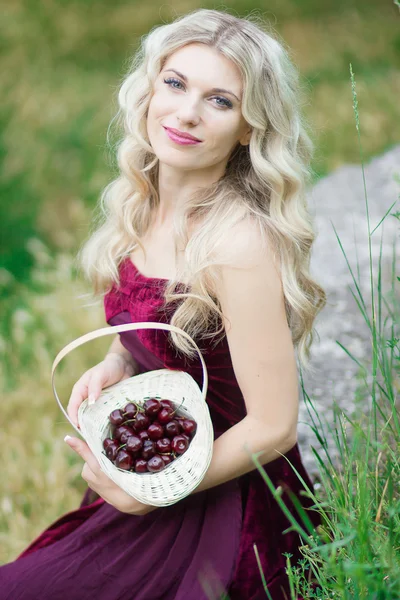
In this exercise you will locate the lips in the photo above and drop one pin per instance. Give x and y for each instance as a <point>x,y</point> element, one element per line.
<point>182,134</point>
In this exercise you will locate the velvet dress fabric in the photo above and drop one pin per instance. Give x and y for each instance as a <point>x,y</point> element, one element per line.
<point>193,550</point>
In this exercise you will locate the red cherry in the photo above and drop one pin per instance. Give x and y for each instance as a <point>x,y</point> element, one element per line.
<point>141,422</point>
<point>119,431</point>
<point>149,449</point>
<point>126,434</point>
<point>189,427</point>
<point>130,410</point>
<point>167,458</point>
<point>152,407</point>
<point>155,431</point>
<point>167,404</point>
<point>112,450</point>
<point>141,465</point>
<point>165,415</point>
<point>172,428</point>
<point>156,464</point>
<point>163,445</point>
<point>107,442</point>
<point>143,435</point>
<point>124,460</point>
<point>134,443</point>
<point>116,417</point>
<point>180,444</point>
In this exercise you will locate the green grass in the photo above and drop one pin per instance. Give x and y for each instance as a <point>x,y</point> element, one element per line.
<point>355,553</point>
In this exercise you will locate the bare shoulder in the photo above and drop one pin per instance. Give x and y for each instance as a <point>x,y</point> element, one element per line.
<point>248,255</point>
<point>252,301</point>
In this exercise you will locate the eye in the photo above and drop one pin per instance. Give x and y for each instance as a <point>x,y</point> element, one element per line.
<point>226,103</point>
<point>172,80</point>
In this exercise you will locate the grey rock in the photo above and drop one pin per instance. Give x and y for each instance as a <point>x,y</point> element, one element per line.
<point>338,201</point>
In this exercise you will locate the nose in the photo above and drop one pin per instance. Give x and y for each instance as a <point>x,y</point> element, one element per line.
<point>189,111</point>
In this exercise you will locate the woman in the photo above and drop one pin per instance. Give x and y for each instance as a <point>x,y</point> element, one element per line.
<point>206,227</point>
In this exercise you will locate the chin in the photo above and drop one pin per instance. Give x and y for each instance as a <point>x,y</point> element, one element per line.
<point>169,155</point>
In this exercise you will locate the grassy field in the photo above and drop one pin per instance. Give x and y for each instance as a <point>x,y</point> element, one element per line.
<point>62,64</point>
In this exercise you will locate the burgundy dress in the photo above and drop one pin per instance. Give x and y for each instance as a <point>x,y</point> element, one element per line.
<point>192,550</point>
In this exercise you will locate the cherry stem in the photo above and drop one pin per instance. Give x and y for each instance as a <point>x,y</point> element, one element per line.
<point>179,407</point>
<point>136,404</point>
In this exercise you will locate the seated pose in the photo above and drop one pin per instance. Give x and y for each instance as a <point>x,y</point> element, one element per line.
<point>206,228</point>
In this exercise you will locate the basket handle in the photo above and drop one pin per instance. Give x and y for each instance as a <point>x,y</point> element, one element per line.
<point>119,329</point>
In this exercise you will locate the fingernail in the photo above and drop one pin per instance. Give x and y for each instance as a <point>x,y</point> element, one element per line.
<point>67,437</point>
<point>92,399</point>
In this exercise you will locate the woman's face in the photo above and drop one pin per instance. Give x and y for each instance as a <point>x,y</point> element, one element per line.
<point>214,117</point>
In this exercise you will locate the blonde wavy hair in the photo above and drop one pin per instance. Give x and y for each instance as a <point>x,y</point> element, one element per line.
<point>265,180</point>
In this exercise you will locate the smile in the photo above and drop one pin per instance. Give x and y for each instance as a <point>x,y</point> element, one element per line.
<point>180,140</point>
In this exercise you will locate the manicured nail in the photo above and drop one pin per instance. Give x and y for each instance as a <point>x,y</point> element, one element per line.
<point>67,437</point>
<point>92,399</point>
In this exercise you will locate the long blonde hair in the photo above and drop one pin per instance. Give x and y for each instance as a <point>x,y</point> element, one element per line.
<point>265,181</point>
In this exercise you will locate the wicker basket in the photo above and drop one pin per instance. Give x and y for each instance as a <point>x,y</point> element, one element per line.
<point>183,474</point>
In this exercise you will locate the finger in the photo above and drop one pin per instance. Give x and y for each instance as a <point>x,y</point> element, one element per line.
<point>84,452</point>
<point>78,394</point>
<point>88,475</point>
<point>95,386</point>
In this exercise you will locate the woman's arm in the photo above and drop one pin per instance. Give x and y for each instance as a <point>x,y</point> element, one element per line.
<point>124,354</point>
<point>231,453</point>
<point>263,360</point>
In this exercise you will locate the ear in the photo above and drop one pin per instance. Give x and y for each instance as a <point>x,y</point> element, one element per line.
<point>245,139</point>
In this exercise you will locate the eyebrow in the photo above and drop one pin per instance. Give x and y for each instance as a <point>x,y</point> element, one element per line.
<point>212,90</point>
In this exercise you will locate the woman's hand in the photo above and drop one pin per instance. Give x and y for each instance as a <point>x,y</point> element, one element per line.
<point>103,485</point>
<point>112,369</point>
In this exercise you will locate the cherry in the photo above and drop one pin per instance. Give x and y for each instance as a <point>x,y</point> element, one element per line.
<point>112,450</point>
<point>122,429</point>
<point>116,417</point>
<point>141,422</point>
<point>165,415</point>
<point>149,449</point>
<point>134,443</point>
<point>140,465</point>
<point>172,428</point>
<point>152,407</point>
<point>126,434</point>
<point>143,435</point>
<point>155,431</point>
<point>124,460</point>
<point>180,444</point>
<point>150,433</point>
<point>156,464</point>
<point>189,427</point>
<point>107,443</point>
<point>130,410</point>
<point>167,404</point>
<point>163,445</point>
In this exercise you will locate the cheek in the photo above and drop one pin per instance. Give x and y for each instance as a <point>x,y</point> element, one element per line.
<point>225,139</point>
<point>151,113</point>
<point>160,104</point>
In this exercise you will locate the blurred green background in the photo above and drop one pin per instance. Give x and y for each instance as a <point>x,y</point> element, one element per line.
<point>62,64</point>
